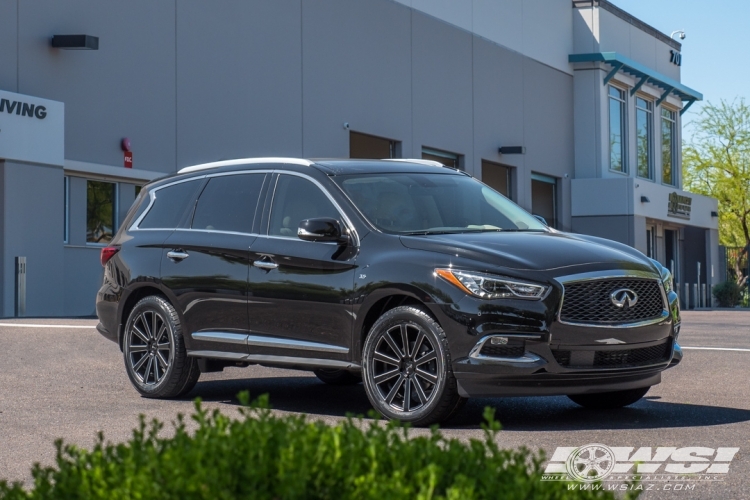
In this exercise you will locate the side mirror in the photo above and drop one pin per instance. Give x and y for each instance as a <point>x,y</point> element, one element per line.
<point>323,229</point>
<point>541,219</point>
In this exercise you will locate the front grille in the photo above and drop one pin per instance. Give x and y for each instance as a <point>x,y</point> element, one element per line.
<point>614,358</point>
<point>590,301</point>
<point>502,351</point>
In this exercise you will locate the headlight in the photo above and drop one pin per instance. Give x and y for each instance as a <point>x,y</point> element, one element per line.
<point>666,279</point>
<point>487,286</point>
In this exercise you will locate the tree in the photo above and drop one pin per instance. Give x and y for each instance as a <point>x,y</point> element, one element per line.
<point>716,163</point>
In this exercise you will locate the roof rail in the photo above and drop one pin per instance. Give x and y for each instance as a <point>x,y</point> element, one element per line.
<point>429,163</point>
<point>244,161</point>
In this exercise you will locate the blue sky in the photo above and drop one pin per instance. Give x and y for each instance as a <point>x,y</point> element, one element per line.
<point>715,52</point>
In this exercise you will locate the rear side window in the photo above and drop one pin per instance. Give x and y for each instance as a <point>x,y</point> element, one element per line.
<point>228,203</point>
<point>170,205</point>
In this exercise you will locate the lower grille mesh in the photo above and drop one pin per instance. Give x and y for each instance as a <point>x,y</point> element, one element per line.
<point>620,358</point>
<point>502,351</point>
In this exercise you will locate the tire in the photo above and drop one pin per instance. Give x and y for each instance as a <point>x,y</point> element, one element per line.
<point>154,351</point>
<point>337,377</point>
<point>609,400</point>
<point>416,386</point>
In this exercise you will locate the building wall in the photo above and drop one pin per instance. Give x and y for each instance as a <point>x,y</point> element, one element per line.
<point>32,196</point>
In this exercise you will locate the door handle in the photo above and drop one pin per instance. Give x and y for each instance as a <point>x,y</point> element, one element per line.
<point>265,264</point>
<point>177,255</point>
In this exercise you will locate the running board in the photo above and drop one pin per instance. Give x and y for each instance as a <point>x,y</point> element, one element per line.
<point>266,359</point>
<point>264,341</point>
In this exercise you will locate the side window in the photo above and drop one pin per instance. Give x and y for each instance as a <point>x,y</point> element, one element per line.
<point>170,204</point>
<point>297,199</point>
<point>228,203</point>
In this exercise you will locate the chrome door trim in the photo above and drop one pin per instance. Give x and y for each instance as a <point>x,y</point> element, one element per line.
<point>599,275</point>
<point>276,360</point>
<point>234,356</point>
<point>303,345</point>
<point>265,341</point>
<point>223,337</point>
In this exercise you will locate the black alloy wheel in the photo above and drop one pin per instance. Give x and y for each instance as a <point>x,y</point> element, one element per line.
<point>154,351</point>
<point>406,368</point>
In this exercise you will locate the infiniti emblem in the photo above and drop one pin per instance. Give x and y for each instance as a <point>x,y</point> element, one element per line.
<point>623,298</point>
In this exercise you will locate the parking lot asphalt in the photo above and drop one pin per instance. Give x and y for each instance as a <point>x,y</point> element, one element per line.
<point>60,379</point>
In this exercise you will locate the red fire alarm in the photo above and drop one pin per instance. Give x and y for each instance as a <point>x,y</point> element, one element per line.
<point>128,154</point>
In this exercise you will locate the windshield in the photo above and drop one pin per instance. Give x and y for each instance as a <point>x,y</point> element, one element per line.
<point>414,203</point>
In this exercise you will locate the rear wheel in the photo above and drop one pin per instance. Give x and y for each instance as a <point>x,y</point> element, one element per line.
<point>154,350</point>
<point>337,377</point>
<point>608,400</point>
<point>406,368</point>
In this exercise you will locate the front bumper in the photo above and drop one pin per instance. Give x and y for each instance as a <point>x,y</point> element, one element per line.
<point>538,373</point>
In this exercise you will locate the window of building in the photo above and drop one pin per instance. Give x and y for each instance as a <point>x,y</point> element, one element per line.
<point>668,146</point>
<point>544,198</point>
<point>643,136</point>
<point>101,207</point>
<point>170,205</point>
<point>650,242</point>
<point>66,209</point>
<point>617,157</point>
<point>497,177</point>
<point>228,203</point>
<point>295,200</point>
<point>448,159</point>
<point>370,146</point>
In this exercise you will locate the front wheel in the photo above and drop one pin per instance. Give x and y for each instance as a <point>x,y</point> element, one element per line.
<point>155,356</point>
<point>406,368</point>
<point>608,400</point>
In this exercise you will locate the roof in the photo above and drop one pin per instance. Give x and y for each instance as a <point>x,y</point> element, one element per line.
<point>643,73</point>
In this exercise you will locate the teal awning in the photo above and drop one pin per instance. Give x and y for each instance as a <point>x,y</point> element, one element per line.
<point>643,74</point>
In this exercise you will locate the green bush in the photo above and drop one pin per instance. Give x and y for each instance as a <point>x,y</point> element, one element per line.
<point>262,456</point>
<point>728,294</point>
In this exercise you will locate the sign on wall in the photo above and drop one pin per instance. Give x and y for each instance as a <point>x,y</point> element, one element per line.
<point>32,129</point>
<point>679,205</point>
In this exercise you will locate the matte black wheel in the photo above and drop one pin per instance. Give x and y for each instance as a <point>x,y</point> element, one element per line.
<point>406,368</point>
<point>608,400</point>
<point>154,351</point>
<point>337,377</point>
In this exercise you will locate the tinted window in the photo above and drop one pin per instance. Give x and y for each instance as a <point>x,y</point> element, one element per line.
<point>228,203</point>
<point>297,199</point>
<point>100,211</point>
<point>170,204</point>
<point>438,203</point>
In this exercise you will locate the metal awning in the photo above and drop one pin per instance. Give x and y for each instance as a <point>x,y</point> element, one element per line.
<point>643,74</point>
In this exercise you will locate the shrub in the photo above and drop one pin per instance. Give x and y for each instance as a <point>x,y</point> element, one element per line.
<point>262,456</point>
<point>728,294</point>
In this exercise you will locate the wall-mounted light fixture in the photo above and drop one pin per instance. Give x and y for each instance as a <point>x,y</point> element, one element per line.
<point>75,42</point>
<point>714,213</point>
<point>644,199</point>
<point>512,150</point>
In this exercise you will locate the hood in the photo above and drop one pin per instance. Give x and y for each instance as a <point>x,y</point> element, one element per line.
<point>535,251</point>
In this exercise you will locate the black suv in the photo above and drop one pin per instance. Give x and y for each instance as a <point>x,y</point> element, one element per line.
<point>412,277</point>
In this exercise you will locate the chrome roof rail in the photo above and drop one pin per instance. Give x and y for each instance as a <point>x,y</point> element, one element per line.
<point>244,161</point>
<point>429,163</point>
